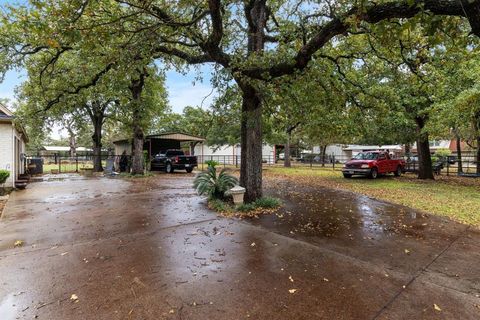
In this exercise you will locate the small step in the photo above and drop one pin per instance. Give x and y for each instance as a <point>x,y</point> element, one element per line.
<point>21,183</point>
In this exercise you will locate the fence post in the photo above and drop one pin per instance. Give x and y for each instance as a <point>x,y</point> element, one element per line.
<point>333,160</point>
<point>236,161</point>
<point>59,165</point>
<point>224,159</point>
<point>448,167</point>
<point>76,163</point>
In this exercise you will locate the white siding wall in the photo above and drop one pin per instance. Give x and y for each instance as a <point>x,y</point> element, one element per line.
<point>120,147</point>
<point>267,152</point>
<point>6,151</point>
<point>335,149</point>
<point>213,151</point>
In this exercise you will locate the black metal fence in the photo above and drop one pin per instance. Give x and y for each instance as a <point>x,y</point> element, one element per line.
<point>65,164</point>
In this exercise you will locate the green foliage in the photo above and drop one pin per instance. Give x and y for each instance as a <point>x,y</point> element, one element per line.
<point>261,203</point>
<point>443,152</point>
<point>212,163</point>
<point>219,206</point>
<point>213,185</point>
<point>247,207</point>
<point>4,174</point>
<point>268,202</point>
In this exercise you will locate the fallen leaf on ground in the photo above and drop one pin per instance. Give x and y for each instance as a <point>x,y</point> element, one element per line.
<point>325,279</point>
<point>64,253</point>
<point>290,278</point>
<point>18,243</point>
<point>407,251</point>
<point>171,311</point>
<point>253,244</point>
<point>292,290</point>
<point>436,307</point>
<point>74,298</point>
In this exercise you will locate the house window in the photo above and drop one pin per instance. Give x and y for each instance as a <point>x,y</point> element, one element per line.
<point>434,143</point>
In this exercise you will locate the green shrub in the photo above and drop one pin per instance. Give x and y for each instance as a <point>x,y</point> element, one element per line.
<point>268,203</point>
<point>262,203</point>
<point>213,185</point>
<point>246,207</point>
<point>212,163</point>
<point>443,152</point>
<point>4,174</point>
<point>219,205</point>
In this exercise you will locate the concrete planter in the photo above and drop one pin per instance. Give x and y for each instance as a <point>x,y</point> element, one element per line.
<point>237,193</point>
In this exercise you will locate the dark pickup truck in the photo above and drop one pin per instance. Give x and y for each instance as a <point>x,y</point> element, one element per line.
<point>173,160</point>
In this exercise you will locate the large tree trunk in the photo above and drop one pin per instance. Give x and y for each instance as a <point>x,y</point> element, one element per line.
<point>286,152</point>
<point>97,120</point>
<point>73,146</point>
<point>425,169</point>
<point>251,143</point>
<point>323,154</point>
<point>251,121</point>
<point>459,153</point>
<point>136,88</point>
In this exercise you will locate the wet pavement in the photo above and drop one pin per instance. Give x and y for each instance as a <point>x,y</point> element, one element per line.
<point>149,249</point>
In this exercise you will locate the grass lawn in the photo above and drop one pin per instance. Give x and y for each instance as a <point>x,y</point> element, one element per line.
<point>454,197</point>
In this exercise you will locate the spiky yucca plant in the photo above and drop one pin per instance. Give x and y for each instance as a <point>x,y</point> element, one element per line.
<point>213,185</point>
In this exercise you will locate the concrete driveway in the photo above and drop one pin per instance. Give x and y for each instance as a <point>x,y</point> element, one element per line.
<point>106,248</point>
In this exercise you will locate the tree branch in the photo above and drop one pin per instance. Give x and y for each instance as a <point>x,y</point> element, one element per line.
<point>372,14</point>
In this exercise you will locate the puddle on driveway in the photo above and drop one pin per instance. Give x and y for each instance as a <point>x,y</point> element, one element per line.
<point>8,309</point>
<point>328,213</point>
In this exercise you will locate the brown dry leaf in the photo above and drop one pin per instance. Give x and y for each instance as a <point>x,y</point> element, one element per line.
<point>325,279</point>
<point>74,298</point>
<point>171,311</point>
<point>407,251</point>
<point>290,278</point>
<point>437,308</point>
<point>292,290</point>
<point>18,243</point>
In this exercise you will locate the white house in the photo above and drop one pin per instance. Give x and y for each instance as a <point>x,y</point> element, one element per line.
<point>230,154</point>
<point>344,153</point>
<point>12,146</point>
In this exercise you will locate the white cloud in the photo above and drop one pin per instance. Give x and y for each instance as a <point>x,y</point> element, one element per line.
<point>182,94</point>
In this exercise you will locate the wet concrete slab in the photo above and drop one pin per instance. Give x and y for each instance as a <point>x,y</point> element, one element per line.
<point>149,249</point>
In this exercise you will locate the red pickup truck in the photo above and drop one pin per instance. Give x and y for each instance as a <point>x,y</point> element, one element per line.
<point>372,164</point>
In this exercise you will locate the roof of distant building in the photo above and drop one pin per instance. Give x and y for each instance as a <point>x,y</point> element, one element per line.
<point>62,148</point>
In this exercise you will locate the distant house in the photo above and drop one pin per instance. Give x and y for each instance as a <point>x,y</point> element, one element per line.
<point>229,154</point>
<point>62,151</point>
<point>444,144</point>
<point>12,146</point>
<point>346,152</point>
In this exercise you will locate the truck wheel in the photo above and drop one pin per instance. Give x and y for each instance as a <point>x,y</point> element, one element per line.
<point>189,170</point>
<point>374,173</point>
<point>398,173</point>
<point>169,168</point>
<point>346,175</point>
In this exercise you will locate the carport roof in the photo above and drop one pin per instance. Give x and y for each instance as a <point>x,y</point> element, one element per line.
<point>178,136</point>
